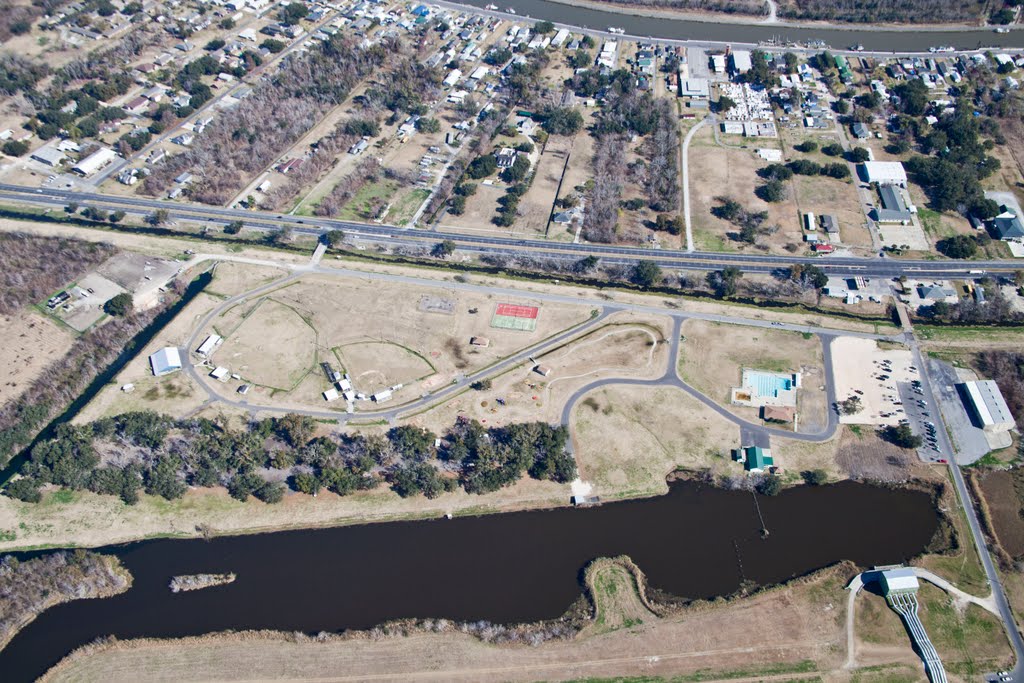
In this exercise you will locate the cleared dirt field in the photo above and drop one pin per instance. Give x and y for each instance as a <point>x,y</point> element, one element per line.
<point>28,343</point>
<point>232,278</point>
<point>1004,506</point>
<point>805,622</point>
<point>713,356</point>
<point>718,171</point>
<point>628,346</point>
<point>378,365</point>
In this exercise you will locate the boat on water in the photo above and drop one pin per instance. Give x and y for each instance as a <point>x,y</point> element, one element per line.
<point>616,31</point>
<point>511,10</point>
<point>942,48</point>
<point>857,48</point>
<point>491,7</point>
<point>1002,29</point>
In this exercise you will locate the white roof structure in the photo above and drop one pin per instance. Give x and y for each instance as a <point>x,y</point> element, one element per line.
<point>165,361</point>
<point>51,156</point>
<point>382,396</point>
<point>885,172</point>
<point>331,395</point>
<point>988,405</point>
<point>741,61</point>
<point>220,373</point>
<point>95,161</point>
<point>207,347</point>
<point>901,580</point>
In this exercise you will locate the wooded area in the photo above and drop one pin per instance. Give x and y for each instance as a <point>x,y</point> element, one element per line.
<point>31,586</point>
<point>33,268</point>
<point>880,11</point>
<point>144,450</point>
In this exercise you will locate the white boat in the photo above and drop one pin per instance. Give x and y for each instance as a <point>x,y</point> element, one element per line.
<point>491,7</point>
<point>511,10</point>
<point>857,48</point>
<point>617,31</point>
<point>942,48</point>
<point>1002,29</point>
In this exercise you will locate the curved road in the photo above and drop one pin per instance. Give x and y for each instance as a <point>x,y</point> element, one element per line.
<point>749,431</point>
<point>390,415</point>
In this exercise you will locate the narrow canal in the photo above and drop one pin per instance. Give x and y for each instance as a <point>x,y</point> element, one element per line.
<point>518,567</point>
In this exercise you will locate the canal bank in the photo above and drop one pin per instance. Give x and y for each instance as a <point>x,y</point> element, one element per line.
<point>506,569</point>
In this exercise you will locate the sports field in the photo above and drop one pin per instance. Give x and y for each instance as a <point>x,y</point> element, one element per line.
<point>515,317</point>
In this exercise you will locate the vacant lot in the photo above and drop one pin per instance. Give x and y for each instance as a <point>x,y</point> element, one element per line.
<point>536,205</point>
<point>714,354</point>
<point>28,343</point>
<point>805,622</point>
<point>718,171</point>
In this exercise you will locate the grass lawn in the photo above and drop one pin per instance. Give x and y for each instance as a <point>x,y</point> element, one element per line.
<point>359,206</point>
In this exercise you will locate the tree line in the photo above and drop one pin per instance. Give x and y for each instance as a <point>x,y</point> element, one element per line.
<point>146,451</point>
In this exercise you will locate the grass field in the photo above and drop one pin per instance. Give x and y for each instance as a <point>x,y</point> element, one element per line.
<point>377,365</point>
<point>714,354</point>
<point>274,346</point>
<point>694,645</point>
<point>30,342</point>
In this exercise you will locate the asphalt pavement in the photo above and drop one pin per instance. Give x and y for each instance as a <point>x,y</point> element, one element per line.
<point>491,244</point>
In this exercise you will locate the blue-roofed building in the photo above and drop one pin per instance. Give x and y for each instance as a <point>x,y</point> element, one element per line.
<point>1007,226</point>
<point>421,11</point>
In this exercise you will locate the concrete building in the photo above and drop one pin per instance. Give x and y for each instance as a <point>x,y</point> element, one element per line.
<point>901,580</point>
<point>884,173</point>
<point>694,88</point>
<point>986,405</point>
<point>165,361</point>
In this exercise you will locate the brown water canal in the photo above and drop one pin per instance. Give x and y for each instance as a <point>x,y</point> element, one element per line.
<point>694,542</point>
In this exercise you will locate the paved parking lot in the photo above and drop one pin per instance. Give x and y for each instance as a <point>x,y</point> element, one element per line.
<point>969,441</point>
<point>922,419</point>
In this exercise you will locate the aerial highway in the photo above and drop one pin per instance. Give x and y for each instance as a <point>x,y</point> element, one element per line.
<point>507,245</point>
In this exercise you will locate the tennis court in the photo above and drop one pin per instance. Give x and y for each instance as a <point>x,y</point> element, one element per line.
<point>515,317</point>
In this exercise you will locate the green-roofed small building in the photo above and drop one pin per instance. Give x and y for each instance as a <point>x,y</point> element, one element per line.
<point>757,459</point>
